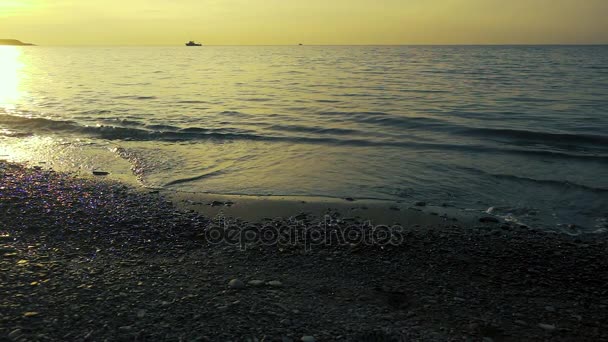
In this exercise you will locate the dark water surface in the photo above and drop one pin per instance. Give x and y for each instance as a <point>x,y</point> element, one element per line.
<point>523,130</point>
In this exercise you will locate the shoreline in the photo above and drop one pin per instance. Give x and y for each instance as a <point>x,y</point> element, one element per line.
<point>253,208</point>
<point>91,259</point>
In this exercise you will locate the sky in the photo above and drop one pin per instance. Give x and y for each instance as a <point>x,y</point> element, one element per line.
<point>278,22</point>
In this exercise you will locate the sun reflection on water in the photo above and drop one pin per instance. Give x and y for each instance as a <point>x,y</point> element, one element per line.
<point>10,76</point>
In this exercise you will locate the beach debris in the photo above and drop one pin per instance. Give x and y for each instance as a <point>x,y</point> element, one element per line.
<point>236,284</point>
<point>100,173</point>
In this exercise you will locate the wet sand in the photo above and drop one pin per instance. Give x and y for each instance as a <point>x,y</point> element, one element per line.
<point>87,259</point>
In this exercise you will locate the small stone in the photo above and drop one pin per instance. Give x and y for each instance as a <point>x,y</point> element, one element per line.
<point>307,339</point>
<point>30,314</point>
<point>141,313</point>
<point>100,173</point>
<point>547,327</point>
<point>286,339</point>
<point>550,308</point>
<point>520,322</point>
<point>275,283</point>
<point>420,204</point>
<point>125,328</point>
<point>256,282</point>
<point>236,284</point>
<point>459,299</point>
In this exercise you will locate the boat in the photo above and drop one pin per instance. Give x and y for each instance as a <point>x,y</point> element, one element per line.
<point>192,43</point>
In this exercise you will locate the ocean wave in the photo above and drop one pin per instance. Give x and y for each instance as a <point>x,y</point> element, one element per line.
<point>560,184</point>
<point>563,184</point>
<point>172,133</point>
<point>560,138</point>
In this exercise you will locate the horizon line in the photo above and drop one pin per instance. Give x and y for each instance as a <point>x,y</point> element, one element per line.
<point>298,44</point>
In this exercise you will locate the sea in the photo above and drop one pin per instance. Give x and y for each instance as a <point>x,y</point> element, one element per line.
<point>519,132</point>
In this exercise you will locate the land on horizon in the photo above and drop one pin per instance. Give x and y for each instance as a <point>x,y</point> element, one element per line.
<point>14,42</point>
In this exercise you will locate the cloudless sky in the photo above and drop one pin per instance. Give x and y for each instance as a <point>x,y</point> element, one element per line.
<point>250,22</point>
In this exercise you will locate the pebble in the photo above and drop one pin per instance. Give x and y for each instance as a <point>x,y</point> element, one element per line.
<point>547,327</point>
<point>100,173</point>
<point>275,283</point>
<point>488,219</point>
<point>307,339</point>
<point>256,282</point>
<point>420,204</point>
<point>236,284</point>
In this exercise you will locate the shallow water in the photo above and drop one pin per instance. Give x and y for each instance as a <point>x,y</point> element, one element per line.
<point>523,130</point>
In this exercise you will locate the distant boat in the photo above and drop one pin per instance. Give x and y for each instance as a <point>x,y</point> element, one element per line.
<point>192,43</point>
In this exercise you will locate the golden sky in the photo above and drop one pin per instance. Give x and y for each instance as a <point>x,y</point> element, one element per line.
<point>252,22</point>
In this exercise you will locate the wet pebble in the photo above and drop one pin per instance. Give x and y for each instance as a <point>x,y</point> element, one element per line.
<point>236,284</point>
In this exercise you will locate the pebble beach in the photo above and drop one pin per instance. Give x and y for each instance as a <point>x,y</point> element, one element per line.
<point>86,259</point>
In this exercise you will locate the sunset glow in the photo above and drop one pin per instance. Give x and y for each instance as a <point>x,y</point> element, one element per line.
<point>10,67</point>
<point>259,22</point>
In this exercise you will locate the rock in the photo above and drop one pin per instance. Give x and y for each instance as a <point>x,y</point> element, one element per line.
<point>274,283</point>
<point>420,204</point>
<point>488,219</point>
<point>350,199</point>
<point>547,327</point>
<point>236,284</point>
<point>550,308</point>
<point>286,339</point>
<point>307,339</point>
<point>100,173</point>
<point>256,282</point>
